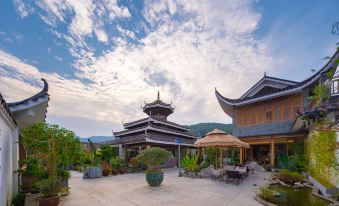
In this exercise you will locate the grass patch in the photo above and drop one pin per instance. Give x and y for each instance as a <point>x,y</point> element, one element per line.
<point>290,177</point>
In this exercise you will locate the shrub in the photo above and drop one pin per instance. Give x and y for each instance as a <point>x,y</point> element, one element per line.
<point>49,187</point>
<point>290,177</point>
<point>106,152</point>
<point>63,174</point>
<point>153,157</point>
<point>191,163</point>
<point>19,199</point>
<point>265,193</point>
<point>116,162</point>
<point>133,163</point>
<point>106,168</point>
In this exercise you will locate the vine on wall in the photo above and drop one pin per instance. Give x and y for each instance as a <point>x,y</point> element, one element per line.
<point>321,155</point>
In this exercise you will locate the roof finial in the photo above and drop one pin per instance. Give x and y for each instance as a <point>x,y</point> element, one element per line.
<point>264,74</point>
<point>158,95</point>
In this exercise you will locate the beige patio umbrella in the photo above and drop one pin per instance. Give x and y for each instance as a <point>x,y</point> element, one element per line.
<point>218,138</point>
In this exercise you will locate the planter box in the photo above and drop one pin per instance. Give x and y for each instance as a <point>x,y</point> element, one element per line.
<point>324,191</point>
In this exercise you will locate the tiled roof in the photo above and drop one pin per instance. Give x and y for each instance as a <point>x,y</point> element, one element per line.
<point>298,85</point>
<point>5,106</point>
<point>144,137</point>
<point>41,94</point>
<point>155,128</point>
<point>156,119</point>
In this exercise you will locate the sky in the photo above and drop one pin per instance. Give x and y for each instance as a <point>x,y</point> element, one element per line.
<point>104,58</point>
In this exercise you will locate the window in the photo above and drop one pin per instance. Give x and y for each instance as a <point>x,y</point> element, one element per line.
<point>335,87</point>
<point>268,116</point>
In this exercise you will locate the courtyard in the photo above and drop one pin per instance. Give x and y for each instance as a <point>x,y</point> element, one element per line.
<point>132,189</point>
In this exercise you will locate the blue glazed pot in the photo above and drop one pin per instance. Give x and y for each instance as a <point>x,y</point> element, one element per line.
<point>154,178</point>
<point>91,172</point>
<point>98,172</point>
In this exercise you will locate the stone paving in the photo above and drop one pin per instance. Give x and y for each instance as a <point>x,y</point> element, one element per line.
<point>132,189</point>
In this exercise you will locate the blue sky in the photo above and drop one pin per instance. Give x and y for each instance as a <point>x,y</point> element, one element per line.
<point>104,58</point>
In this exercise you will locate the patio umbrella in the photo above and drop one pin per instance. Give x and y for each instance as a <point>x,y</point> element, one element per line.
<point>218,138</point>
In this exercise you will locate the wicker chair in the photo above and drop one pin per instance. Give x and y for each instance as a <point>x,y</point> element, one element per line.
<point>217,174</point>
<point>206,172</point>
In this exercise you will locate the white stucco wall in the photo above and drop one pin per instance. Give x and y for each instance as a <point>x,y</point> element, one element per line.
<point>8,162</point>
<point>337,178</point>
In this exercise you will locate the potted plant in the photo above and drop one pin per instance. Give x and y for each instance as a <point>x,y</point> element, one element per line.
<point>122,168</point>
<point>49,189</point>
<point>106,169</point>
<point>115,163</point>
<point>94,170</point>
<point>133,164</point>
<point>153,157</point>
<point>29,173</point>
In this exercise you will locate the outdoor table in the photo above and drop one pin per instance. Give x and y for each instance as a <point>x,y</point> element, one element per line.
<point>241,170</point>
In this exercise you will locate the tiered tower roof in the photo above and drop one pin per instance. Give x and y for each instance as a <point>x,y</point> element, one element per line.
<point>158,108</point>
<point>155,127</point>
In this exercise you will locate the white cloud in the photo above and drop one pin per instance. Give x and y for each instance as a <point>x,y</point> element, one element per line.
<point>193,46</point>
<point>101,35</point>
<point>22,9</point>
<point>87,16</point>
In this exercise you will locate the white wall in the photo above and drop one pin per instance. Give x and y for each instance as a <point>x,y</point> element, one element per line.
<point>337,178</point>
<point>8,161</point>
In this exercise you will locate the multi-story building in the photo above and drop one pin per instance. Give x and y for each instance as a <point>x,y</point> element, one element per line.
<point>267,115</point>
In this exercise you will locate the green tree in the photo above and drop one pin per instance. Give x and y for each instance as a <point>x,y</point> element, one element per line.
<point>153,157</point>
<point>106,152</point>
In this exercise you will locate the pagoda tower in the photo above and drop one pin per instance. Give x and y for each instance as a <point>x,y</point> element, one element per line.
<point>154,130</point>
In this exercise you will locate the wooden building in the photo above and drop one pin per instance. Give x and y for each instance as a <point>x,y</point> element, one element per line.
<point>266,116</point>
<point>154,130</point>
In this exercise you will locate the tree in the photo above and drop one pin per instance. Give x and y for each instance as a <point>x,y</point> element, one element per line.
<point>106,152</point>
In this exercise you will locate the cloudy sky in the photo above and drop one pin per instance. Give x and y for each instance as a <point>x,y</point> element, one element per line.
<point>104,58</point>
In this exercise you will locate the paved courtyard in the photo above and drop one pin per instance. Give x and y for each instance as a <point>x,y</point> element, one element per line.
<point>132,189</point>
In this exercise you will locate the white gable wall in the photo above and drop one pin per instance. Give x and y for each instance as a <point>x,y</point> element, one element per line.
<point>8,159</point>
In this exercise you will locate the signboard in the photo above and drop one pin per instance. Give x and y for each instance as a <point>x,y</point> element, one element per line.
<point>179,141</point>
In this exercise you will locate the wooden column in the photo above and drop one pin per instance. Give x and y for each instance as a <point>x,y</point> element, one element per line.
<point>241,155</point>
<point>272,152</point>
<point>221,157</point>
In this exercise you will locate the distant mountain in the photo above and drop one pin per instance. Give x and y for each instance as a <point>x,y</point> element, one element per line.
<point>97,139</point>
<point>202,129</point>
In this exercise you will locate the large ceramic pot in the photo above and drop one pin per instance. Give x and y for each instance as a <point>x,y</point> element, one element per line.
<point>91,172</point>
<point>52,201</point>
<point>154,178</point>
<point>98,172</point>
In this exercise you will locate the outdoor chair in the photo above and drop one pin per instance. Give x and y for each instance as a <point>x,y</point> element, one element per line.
<point>206,172</point>
<point>233,176</point>
<point>250,167</point>
<point>217,174</point>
